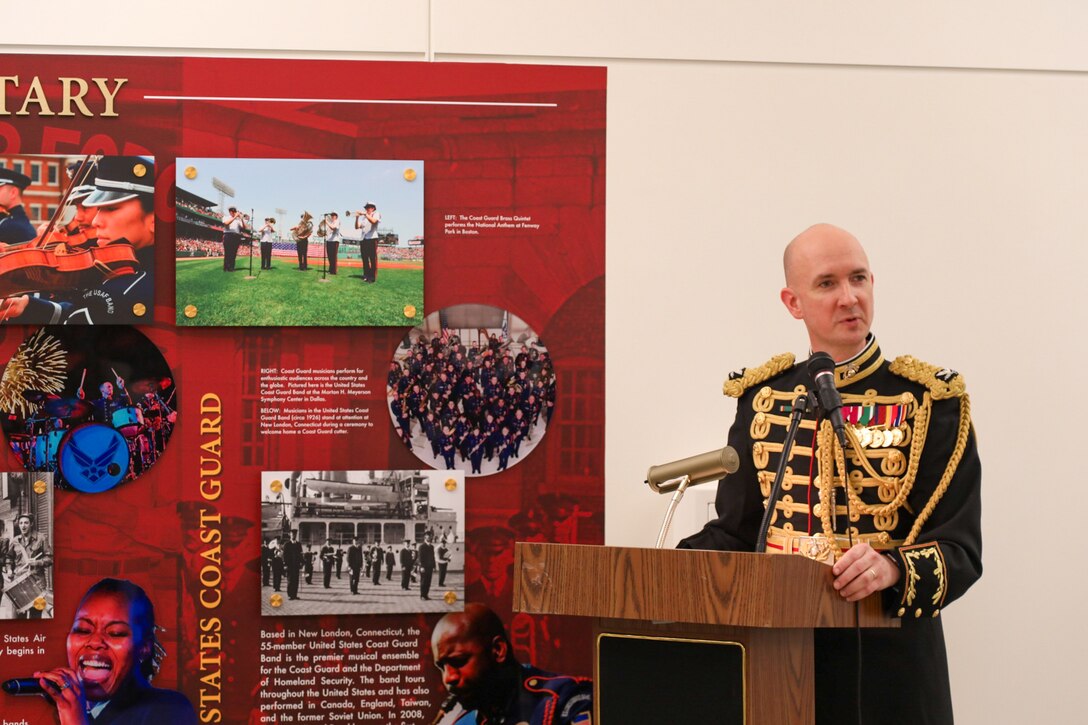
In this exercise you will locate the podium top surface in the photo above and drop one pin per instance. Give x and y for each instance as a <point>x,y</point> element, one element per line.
<point>698,587</point>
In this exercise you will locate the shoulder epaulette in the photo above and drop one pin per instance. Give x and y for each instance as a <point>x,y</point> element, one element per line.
<point>737,383</point>
<point>942,382</point>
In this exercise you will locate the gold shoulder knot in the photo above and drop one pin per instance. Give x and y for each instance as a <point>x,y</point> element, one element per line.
<point>737,383</point>
<point>942,382</point>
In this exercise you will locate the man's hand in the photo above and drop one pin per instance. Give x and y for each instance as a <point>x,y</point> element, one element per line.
<point>12,307</point>
<point>862,571</point>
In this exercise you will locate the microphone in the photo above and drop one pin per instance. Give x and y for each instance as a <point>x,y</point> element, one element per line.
<point>702,468</point>
<point>821,368</point>
<point>22,686</point>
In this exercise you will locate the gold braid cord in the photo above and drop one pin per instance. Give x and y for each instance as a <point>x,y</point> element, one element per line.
<point>949,471</point>
<point>735,387</point>
<point>831,458</point>
<point>925,374</point>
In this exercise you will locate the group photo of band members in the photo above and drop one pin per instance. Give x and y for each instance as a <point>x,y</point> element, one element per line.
<point>472,388</point>
<point>299,242</point>
<point>362,542</point>
<point>95,406</point>
<point>26,545</point>
<point>77,239</point>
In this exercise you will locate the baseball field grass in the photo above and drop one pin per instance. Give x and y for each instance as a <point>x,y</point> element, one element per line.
<point>286,296</point>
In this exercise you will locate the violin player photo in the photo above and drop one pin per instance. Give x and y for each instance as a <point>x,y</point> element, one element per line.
<point>96,268</point>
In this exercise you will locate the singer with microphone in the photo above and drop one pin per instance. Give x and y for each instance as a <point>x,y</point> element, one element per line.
<point>113,655</point>
<point>906,524</point>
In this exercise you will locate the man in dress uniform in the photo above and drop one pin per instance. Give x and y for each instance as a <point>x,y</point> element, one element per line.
<point>333,237</point>
<point>302,232</point>
<point>234,223</point>
<point>426,565</point>
<point>407,561</point>
<point>487,684</point>
<point>292,563</point>
<point>390,562</point>
<point>328,561</point>
<point>443,553</point>
<point>368,245</point>
<point>376,572</point>
<point>913,505</point>
<point>15,227</point>
<point>37,557</point>
<point>355,564</point>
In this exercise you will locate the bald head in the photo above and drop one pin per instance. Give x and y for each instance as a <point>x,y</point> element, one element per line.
<point>830,287</point>
<point>476,623</point>
<point>473,654</point>
<point>815,240</point>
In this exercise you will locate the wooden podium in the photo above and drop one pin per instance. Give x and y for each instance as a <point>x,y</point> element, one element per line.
<point>763,606</point>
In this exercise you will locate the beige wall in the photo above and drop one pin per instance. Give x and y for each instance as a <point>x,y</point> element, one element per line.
<point>950,137</point>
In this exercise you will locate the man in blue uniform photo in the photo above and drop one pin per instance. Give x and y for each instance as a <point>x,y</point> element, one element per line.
<point>488,686</point>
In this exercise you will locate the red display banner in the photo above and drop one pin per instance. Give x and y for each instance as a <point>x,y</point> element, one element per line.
<point>290,429</point>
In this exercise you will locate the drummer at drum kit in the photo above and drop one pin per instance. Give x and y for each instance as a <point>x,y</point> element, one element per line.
<point>144,424</point>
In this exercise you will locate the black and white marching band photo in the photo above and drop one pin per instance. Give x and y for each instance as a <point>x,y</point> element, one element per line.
<point>362,542</point>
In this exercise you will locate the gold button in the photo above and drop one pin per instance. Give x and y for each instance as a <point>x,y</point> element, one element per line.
<point>409,174</point>
<point>40,603</point>
<point>190,172</point>
<point>917,613</point>
<point>276,486</point>
<point>139,171</point>
<point>409,311</point>
<point>276,600</point>
<point>39,486</point>
<point>451,484</point>
<point>449,597</point>
<point>139,309</point>
<point>936,612</point>
<point>901,611</point>
<point>190,311</point>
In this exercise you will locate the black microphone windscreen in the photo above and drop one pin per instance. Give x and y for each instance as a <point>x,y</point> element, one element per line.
<point>819,362</point>
<point>22,686</point>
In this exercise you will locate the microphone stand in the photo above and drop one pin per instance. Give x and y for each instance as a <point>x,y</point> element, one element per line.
<point>800,408</point>
<point>250,275</point>
<point>325,255</point>
<point>673,503</point>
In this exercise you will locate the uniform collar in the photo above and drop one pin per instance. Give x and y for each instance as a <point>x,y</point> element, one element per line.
<point>860,366</point>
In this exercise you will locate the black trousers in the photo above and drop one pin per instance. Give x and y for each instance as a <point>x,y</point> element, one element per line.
<point>231,240</point>
<point>331,251</point>
<point>266,255</point>
<point>368,248</point>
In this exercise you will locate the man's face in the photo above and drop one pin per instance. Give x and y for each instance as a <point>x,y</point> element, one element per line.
<point>9,195</point>
<point>465,663</point>
<point>104,646</point>
<point>830,288</point>
<point>125,220</point>
<point>24,525</point>
<point>106,389</point>
<point>85,215</point>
